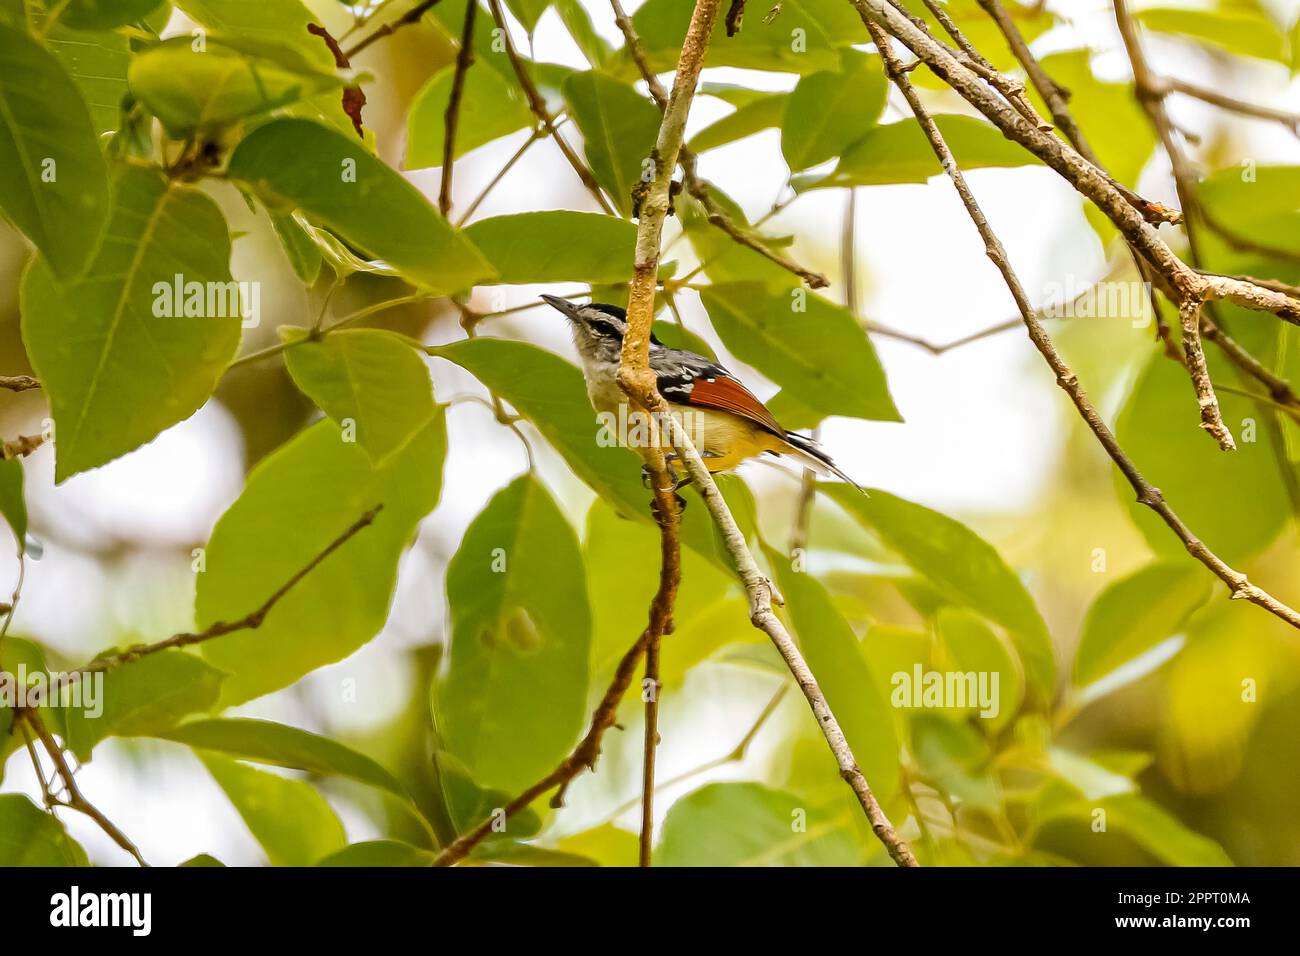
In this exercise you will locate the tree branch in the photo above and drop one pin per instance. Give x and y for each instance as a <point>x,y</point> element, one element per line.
<point>1238,584</point>
<point>698,188</point>
<point>18,383</point>
<point>75,799</point>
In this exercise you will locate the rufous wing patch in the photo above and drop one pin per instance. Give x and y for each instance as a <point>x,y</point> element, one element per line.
<point>730,396</point>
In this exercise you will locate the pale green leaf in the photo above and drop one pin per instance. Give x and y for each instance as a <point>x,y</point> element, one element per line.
<point>618,126</point>
<point>196,91</point>
<point>1249,32</point>
<point>556,246</point>
<point>490,107</point>
<point>963,566</point>
<point>514,699</point>
<point>1135,614</point>
<point>31,837</point>
<point>763,112</point>
<point>144,697</point>
<point>368,380</point>
<point>829,110</point>
<point>289,818</point>
<point>385,853</point>
<point>264,741</point>
<point>303,497</point>
<point>1236,502</point>
<point>13,506</point>
<point>349,191</point>
<point>900,153</point>
<point>117,367</point>
<point>55,187</point>
<point>747,824</point>
<point>836,658</point>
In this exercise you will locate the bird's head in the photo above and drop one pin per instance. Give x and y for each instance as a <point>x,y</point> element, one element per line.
<point>597,328</point>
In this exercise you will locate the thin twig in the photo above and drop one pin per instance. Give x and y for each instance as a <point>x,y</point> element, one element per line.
<point>582,758</point>
<point>20,447</point>
<point>1239,585</point>
<point>250,621</point>
<point>698,188</point>
<point>388,29</point>
<point>464,60</point>
<point>537,134</point>
<point>537,104</point>
<point>75,800</point>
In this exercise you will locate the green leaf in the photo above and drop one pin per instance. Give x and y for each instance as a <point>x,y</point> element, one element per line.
<point>469,804</point>
<point>97,63</point>
<point>1135,614</point>
<point>116,372</point>
<point>12,504</point>
<point>830,110</point>
<point>303,497</point>
<point>960,564</point>
<point>351,192</point>
<point>515,696</point>
<point>264,741</point>
<point>1146,824</point>
<point>24,659</point>
<point>836,658</point>
<point>490,107</point>
<point>301,250</point>
<point>556,246</point>
<point>726,260</point>
<point>804,38</point>
<point>622,560</point>
<point>1249,32</point>
<point>200,91</point>
<point>618,127</point>
<point>369,377</point>
<point>142,698</point>
<point>384,853</point>
<point>202,860</point>
<point>821,354</point>
<point>762,113</point>
<point>956,759</point>
<point>900,153</point>
<point>270,21</point>
<point>105,14</point>
<point>747,824</point>
<point>577,21</point>
<point>1158,428</point>
<point>30,837</point>
<point>528,12</point>
<point>55,188</point>
<point>289,818</point>
<point>551,394</point>
<point>970,645</point>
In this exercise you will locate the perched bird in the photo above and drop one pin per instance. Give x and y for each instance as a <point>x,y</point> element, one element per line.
<point>726,421</point>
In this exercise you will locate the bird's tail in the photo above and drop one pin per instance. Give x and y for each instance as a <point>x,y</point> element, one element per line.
<point>812,454</point>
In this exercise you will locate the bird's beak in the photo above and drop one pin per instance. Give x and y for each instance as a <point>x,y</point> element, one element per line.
<point>563,306</point>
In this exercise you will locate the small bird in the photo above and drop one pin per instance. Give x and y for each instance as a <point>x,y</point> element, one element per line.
<point>709,401</point>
